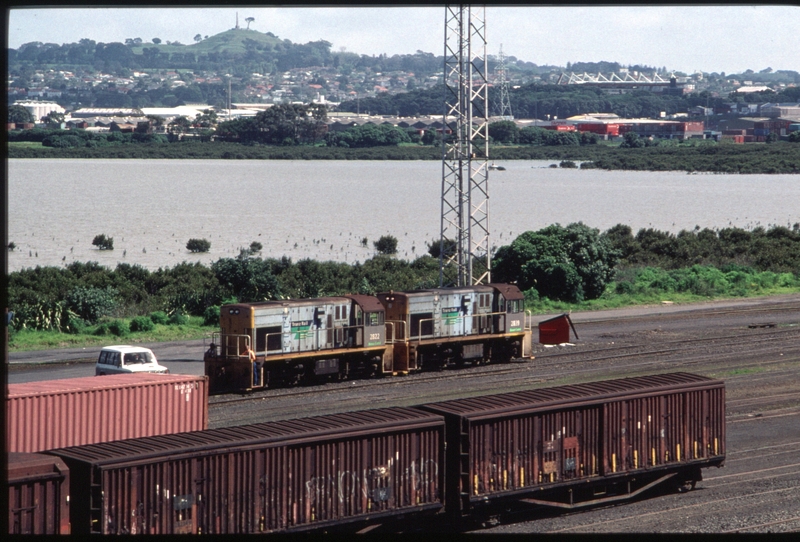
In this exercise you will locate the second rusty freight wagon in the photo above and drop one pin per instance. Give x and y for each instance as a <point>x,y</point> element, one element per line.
<point>562,447</point>
<point>583,444</point>
<point>283,476</point>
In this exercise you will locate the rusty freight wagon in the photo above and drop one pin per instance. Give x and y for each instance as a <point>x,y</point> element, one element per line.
<point>38,494</point>
<point>75,411</point>
<point>583,444</point>
<point>285,476</point>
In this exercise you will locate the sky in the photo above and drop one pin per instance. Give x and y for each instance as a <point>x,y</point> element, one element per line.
<point>711,38</point>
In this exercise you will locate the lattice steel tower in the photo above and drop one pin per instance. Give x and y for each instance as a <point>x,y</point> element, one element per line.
<point>465,256</point>
<point>504,103</point>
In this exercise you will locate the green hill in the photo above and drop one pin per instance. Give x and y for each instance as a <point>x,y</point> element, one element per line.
<point>233,41</point>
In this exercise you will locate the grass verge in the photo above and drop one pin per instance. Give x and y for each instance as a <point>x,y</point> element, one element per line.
<point>28,340</point>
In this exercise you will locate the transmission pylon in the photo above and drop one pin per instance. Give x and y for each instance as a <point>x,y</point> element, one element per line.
<point>464,255</point>
<point>504,106</point>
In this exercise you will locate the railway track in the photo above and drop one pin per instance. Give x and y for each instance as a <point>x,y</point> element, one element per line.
<point>776,347</point>
<point>606,354</point>
<point>785,307</point>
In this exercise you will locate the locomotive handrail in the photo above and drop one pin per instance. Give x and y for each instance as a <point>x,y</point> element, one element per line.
<point>315,339</point>
<point>392,323</point>
<point>240,352</point>
<point>450,333</point>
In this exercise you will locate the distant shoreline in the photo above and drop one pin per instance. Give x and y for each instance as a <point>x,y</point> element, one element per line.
<point>754,158</point>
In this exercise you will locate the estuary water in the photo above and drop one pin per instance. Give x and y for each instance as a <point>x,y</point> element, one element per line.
<point>323,209</point>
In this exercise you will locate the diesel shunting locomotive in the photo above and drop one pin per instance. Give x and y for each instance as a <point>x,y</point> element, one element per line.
<point>360,336</point>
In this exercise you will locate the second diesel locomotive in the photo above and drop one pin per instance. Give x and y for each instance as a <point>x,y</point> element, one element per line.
<point>296,341</point>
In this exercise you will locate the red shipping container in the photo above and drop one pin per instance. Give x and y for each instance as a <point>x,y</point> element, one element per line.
<point>75,411</point>
<point>600,128</point>
<point>38,494</point>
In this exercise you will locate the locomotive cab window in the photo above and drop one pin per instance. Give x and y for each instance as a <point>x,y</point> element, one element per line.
<point>515,306</point>
<point>374,318</point>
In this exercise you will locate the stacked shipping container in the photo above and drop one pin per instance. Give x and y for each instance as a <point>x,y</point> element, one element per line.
<point>75,411</point>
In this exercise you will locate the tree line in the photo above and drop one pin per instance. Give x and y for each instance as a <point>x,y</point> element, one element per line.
<point>547,101</point>
<point>573,263</point>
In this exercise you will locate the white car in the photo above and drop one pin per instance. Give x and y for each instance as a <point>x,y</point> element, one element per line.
<point>127,359</point>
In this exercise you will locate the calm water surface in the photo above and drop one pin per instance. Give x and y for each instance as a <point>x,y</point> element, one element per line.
<point>322,209</point>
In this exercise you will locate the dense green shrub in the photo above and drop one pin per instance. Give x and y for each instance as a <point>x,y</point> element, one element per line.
<point>566,264</point>
<point>177,318</point>
<point>249,279</point>
<point>91,303</point>
<point>368,135</point>
<point>211,316</point>
<point>76,326</point>
<point>387,244</point>
<point>117,328</point>
<point>102,242</point>
<point>159,317</point>
<point>702,281</point>
<point>198,245</point>
<point>142,323</point>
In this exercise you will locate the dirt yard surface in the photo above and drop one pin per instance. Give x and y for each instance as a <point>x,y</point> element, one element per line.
<point>753,345</point>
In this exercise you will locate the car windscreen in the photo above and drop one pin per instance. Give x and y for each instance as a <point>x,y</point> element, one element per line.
<point>137,357</point>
